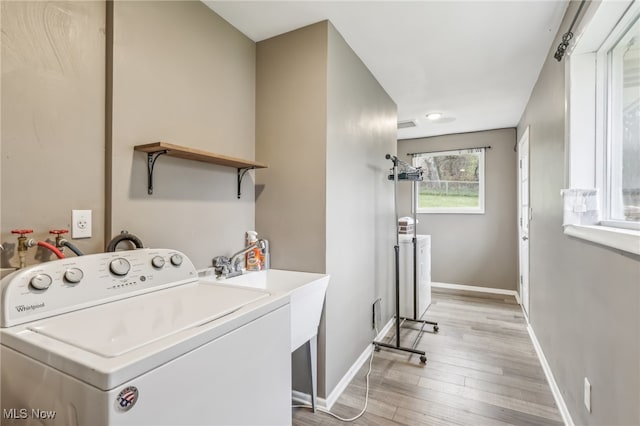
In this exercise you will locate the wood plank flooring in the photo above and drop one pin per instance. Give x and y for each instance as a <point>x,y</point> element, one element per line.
<point>481,369</point>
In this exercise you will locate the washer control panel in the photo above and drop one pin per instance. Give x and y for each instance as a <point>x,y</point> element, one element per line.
<point>69,284</point>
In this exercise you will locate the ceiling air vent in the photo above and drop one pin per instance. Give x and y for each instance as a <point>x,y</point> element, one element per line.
<point>406,124</point>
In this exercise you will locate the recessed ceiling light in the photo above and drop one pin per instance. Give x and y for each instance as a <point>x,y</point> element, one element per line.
<point>433,116</point>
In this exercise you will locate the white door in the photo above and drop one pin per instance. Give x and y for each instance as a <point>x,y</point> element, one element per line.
<point>524,216</point>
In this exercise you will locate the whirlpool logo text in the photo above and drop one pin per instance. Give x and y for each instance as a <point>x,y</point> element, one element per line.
<point>24,308</point>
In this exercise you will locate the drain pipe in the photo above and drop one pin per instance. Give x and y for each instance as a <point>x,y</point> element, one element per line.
<point>124,236</point>
<point>71,247</point>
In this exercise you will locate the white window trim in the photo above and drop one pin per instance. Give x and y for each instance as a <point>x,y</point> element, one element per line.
<point>459,210</point>
<point>582,108</point>
<point>622,239</point>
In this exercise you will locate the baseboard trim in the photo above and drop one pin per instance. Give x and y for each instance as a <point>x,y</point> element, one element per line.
<point>477,289</point>
<point>385,329</point>
<point>349,375</point>
<point>555,390</point>
<point>327,403</point>
<point>305,399</point>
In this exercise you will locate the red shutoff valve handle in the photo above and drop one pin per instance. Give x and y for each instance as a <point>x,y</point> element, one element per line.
<point>22,231</point>
<point>59,231</point>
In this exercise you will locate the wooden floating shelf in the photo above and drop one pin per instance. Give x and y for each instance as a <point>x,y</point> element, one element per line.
<point>156,149</point>
<point>198,155</point>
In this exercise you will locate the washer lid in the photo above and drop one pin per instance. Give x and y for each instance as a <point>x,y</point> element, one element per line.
<point>113,329</point>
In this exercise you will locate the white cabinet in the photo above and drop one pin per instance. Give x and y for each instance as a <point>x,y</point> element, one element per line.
<point>423,275</point>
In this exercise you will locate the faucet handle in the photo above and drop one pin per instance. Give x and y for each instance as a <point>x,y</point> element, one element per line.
<point>222,265</point>
<point>221,261</point>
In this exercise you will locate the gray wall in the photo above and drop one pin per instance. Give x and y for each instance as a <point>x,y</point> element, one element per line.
<point>361,129</point>
<point>584,298</point>
<point>291,133</point>
<point>473,249</point>
<point>183,75</point>
<point>324,123</point>
<point>180,74</point>
<point>53,70</point>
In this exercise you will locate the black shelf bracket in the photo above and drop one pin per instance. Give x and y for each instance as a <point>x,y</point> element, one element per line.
<point>151,162</point>
<point>241,172</point>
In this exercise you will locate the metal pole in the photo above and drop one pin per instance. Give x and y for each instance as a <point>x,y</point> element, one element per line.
<point>415,249</point>
<point>395,198</point>
<point>397,249</point>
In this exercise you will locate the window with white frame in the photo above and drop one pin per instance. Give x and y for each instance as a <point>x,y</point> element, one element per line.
<point>453,181</point>
<point>603,150</point>
<point>621,57</point>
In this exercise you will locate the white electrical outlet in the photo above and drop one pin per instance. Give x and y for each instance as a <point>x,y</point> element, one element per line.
<point>80,223</point>
<point>587,394</point>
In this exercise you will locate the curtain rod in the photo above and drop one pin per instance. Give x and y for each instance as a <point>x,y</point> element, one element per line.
<point>566,37</point>
<point>413,154</point>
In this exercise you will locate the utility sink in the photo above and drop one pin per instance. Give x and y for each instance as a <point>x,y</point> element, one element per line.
<point>306,294</point>
<point>306,291</point>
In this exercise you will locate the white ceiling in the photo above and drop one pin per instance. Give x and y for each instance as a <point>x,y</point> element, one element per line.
<point>476,61</point>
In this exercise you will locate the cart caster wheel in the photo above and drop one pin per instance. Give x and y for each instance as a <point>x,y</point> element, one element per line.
<point>376,348</point>
<point>436,328</point>
<point>423,359</point>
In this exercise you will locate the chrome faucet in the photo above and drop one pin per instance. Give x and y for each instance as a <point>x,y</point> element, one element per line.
<point>230,267</point>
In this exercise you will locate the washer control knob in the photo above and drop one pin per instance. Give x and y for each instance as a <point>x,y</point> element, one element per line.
<point>41,282</point>
<point>120,266</point>
<point>176,260</point>
<point>157,262</point>
<point>73,275</point>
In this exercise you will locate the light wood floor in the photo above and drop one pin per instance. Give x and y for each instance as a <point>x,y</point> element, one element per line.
<point>481,369</point>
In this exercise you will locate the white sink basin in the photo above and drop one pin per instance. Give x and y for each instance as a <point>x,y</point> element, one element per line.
<point>306,291</point>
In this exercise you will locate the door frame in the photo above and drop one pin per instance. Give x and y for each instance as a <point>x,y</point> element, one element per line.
<point>523,219</point>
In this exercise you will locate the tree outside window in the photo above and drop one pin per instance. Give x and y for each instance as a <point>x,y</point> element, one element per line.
<point>453,181</point>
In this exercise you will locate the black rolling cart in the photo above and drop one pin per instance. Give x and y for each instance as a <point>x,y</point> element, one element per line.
<point>402,171</point>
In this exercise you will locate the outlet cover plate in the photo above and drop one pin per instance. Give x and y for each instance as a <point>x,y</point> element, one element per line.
<point>81,224</point>
<point>377,314</point>
<point>587,394</point>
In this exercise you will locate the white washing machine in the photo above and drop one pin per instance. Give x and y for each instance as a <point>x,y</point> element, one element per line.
<point>134,338</point>
<point>422,298</point>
